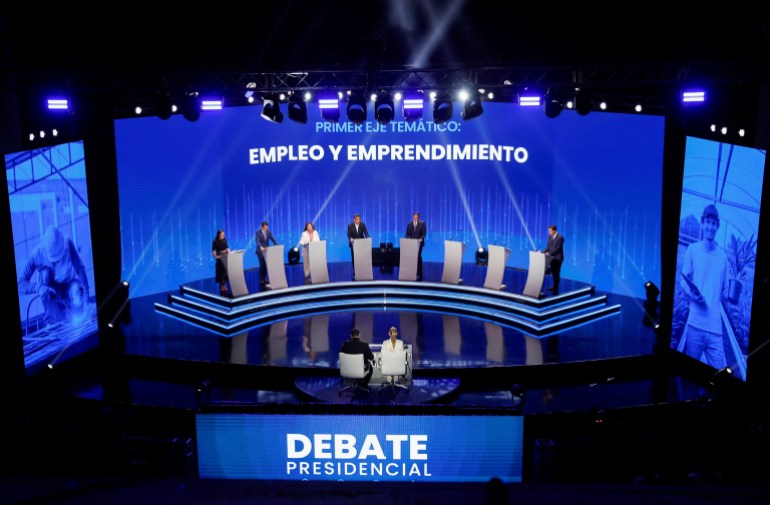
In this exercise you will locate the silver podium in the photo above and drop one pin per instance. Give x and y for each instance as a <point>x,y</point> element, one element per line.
<point>498,257</point>
<point>453,260</point>
<point>234,266</point>
<point>319,270</point>
<point>407,263</point>
<point>276,271</point>
<point>362,259</point>
<point>535,274</point>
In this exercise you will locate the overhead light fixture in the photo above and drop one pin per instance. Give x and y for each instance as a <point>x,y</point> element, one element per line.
<point>384,108</point>
<point>553,106</point>
<point>529,100</point>
<point>163,107</point>
<point>472,108</point>
<point>271,109</point>
<point>329,104</point>
<point>297,108</point>
<point>58,104</point>
<point>693,97</point>
<point>583,103</point>
<point>442,108</point>
<point>190,107</point>
<point>356,107</point>
<point>211,104</point>
<point>412,105</point>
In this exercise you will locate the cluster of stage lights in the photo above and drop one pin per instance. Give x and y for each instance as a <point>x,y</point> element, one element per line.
<point>384,105</point>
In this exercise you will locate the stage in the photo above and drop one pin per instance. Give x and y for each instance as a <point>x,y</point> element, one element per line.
<point>282,347</point>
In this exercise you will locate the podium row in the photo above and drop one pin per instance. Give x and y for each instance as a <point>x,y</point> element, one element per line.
<point>407,271</point>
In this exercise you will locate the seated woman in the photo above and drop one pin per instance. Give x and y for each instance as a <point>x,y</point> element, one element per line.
<point>392,344</point>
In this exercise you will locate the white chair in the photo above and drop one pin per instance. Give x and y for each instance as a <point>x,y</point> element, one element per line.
<point>352,370</point>
<point>393,364</point>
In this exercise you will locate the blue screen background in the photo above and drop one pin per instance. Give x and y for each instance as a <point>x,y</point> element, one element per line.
<point>597,177</point>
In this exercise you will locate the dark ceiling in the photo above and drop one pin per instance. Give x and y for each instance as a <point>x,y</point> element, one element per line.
<point>134,47</point>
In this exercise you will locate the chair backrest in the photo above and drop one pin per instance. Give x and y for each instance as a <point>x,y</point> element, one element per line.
<point>352,366</point>
<point>393,363</point>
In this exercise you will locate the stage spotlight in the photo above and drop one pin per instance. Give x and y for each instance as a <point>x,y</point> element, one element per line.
<point>651,315</point>
<point>442,108</point>
<point>472,108</point>
<point>294,255</point>
<point>482,256</point>
<point>553,106</point>
<point>583,103</point>
<point>297,109</point>
<point>271,109</point>
<point>329,103</point>
<point>357,107</point>
<point>384,109</point>
<point>412,105</point>
<point>190,107</point>
<point>652,292</point>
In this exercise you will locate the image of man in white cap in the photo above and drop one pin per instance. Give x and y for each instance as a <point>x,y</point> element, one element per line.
<point>705,282</point>
<point>55,272</point>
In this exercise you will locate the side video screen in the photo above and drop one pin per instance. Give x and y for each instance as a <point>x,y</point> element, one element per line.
<point>52,247</point>
<point>717,253</point>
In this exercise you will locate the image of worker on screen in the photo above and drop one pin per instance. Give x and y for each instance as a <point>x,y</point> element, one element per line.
<point>55,273</point>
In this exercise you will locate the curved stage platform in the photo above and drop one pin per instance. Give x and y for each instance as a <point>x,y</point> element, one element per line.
<point>281,346</point>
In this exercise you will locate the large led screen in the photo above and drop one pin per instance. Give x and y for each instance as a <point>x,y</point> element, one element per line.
<point>52,247</point>
<point>498,179</point>
<point>360,448</point>
<point>716,258</point>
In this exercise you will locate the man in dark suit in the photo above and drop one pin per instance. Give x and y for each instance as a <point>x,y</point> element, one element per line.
<point>356,346</point>
<point>264,237</point>
<point>554,252</point>
<point>356,229</point>
<point>416,229</point>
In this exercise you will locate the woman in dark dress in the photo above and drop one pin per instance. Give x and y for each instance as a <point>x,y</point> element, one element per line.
<point>218,248</point>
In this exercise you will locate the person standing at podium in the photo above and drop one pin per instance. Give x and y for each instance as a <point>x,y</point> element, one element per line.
<point>554,252</point>
<point>219,248</point>
<point>310,234</point>
<point>356,229</point>
<point>416,229</point>
<point>264,236</point>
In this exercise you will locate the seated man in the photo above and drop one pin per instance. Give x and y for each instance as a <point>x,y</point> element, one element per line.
<point>356,346</point>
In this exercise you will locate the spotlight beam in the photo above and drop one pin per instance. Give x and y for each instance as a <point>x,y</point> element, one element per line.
<point>458,184</point>
<point>338,183</point>
<point>437,35</point>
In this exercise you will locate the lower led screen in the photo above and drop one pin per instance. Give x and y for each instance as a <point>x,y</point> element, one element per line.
<point>360,448</point>
<point>717,253</point>
<point>52,246</point>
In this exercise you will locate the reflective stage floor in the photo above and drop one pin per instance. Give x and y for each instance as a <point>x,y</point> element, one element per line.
<point>605,362</point>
